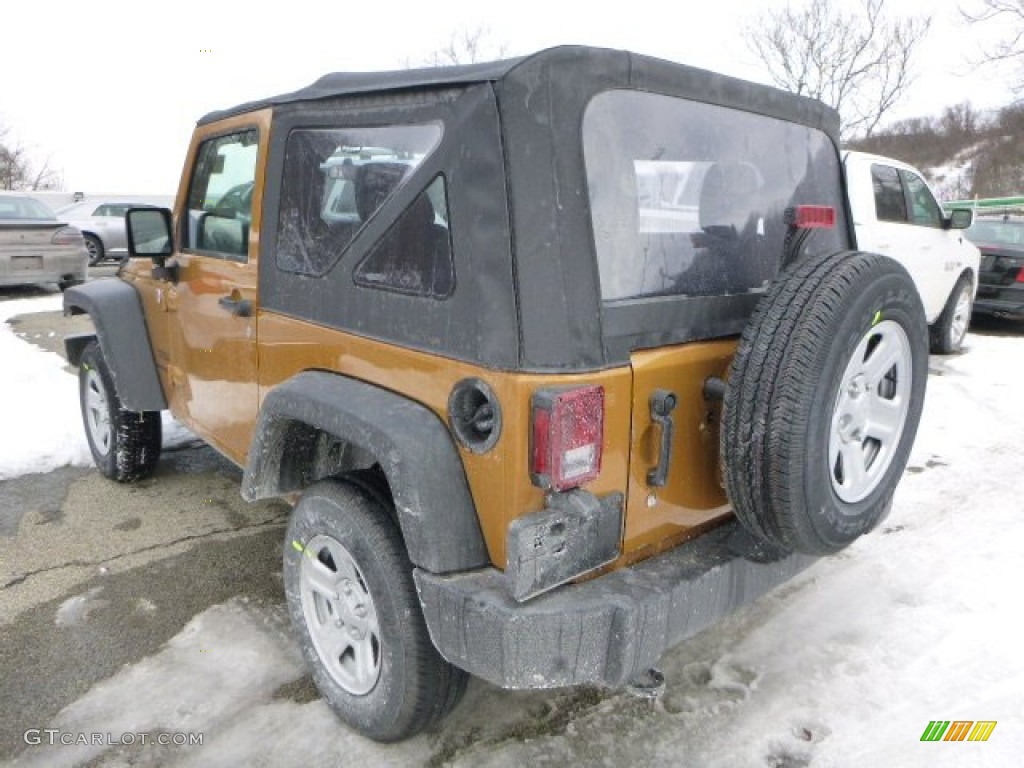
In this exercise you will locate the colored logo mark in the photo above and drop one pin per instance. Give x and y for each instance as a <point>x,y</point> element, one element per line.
<point>958,730</point>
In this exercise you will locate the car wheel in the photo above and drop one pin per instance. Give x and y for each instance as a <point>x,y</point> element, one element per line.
<point>125,445</point>
<point>950,329</point>
<point>95,249</point>
<point>824,399</point>
<point>351,597</point>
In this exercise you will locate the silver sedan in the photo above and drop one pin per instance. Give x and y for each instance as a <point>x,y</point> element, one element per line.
<point>102,225</point>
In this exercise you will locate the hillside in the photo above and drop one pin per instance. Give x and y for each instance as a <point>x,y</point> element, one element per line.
<point>963,153</point>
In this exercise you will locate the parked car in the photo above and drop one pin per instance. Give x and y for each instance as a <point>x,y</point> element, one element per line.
<point>1000,236</point>
<point>895,213</point>
<point>36,247</point>
<point>102,226</point>
<point>516,405</point>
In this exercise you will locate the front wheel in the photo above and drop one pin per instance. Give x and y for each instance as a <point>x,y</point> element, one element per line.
<point>125,445</point>
<point>949,330</point>
<point>352,600</point>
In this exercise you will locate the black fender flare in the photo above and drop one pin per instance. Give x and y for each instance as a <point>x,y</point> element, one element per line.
<point>411,444</point>
<point>116,312</point>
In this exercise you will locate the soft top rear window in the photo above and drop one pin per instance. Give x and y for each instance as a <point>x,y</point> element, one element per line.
<point>689,198</point>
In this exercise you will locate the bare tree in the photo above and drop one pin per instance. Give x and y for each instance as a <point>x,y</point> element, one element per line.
<point>17,171</point>
<point>466,46</point>
<point>857,61</point>
<point>1010,14</point>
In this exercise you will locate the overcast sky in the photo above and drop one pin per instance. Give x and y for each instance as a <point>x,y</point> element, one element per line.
<point>110,90</point>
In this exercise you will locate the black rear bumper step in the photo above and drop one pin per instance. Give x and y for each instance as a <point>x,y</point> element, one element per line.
<point>607,630</point>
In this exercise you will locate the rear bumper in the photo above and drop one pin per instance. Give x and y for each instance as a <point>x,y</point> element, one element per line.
<point>607,630</point>
<point>48,266</point>
<point>1009,301</point>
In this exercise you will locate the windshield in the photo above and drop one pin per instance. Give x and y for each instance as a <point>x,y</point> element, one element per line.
<point>24,208</point>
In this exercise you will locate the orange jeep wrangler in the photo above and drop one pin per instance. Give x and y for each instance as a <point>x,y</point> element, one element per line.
<point>563,358</point>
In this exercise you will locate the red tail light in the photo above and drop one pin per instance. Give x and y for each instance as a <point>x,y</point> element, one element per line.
<point>1020,274</point>
<point>811,217</point>
<point>67,236</point>
<point>568,430</point>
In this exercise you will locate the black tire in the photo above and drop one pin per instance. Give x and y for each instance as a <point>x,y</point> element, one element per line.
<point>125,445</point>
<point>95,248</point>
<point>950,328</point>
<point>782,407</point>
<point>415,687</point>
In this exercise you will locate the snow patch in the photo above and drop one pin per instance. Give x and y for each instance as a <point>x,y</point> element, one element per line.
<point>39,407</point>
<point>38,401</point>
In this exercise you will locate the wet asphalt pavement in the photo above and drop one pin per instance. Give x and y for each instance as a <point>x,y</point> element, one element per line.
<point>147,556</point>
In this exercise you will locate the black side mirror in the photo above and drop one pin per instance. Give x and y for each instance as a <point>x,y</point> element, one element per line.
<point>960,218</point>
<point>149,234</point>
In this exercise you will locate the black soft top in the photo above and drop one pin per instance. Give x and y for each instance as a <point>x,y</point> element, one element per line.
<point>577,63</point>
<point>338,84</point>
<point>514,154</point>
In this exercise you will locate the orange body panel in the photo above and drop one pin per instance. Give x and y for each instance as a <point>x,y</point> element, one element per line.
<point>499,480</point>
<point>693,498</point>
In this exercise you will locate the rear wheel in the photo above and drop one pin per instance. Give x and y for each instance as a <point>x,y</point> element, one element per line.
<point>125,445</point>
<point>824,398</point>
<point>353,602</point>
<point>950,329</point>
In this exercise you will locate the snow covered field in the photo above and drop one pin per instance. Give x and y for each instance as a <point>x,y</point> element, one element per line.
<point>844,666</point>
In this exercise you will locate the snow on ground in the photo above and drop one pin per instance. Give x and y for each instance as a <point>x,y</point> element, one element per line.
<point>843,666</point>
<point>39,409</point>
<point>38,401</point>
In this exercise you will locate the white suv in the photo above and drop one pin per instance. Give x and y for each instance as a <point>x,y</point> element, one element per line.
<point>895,213</point>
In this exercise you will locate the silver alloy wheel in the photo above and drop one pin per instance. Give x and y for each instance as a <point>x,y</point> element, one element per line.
<point>340,615</point>
<point>870,411</point>
<point>97,412</point>
<point>93,248</point>
<point>961,318</point>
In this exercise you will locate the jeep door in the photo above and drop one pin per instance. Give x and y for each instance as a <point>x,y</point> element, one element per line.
<point>212,332</point>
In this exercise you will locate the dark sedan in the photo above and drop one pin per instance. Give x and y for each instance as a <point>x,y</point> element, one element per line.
<point>1000,237</point>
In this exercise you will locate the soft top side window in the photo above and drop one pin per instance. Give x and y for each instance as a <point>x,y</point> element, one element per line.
<point>335,180</point>
<point>415,256</point>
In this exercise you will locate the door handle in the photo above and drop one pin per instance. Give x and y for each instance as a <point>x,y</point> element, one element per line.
<point>662,403</point>
<point>236,305</point>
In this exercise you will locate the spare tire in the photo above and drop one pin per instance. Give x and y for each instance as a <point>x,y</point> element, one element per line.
<point>823,401</point>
